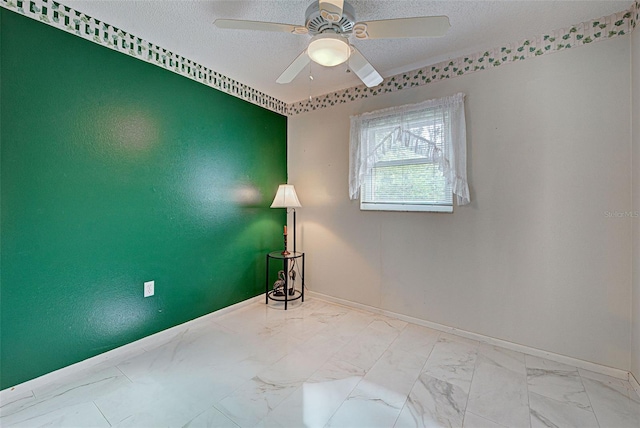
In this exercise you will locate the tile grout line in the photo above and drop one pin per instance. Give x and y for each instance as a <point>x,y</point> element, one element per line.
<point>419,374</point>
<point>539,353</point>
<point>473,375</point>
<point>328,359</point>
<point>414,382</point>
<point>381,324</point>
<point>593,410</point>
<point>275,363</point>
<point>635,386</point>
<point>123,373</point>
<point>363,376</point>
<point>526,381</point>
<point>99,410</point>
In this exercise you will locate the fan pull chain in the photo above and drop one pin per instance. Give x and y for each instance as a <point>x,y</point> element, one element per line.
<point>309,83</point>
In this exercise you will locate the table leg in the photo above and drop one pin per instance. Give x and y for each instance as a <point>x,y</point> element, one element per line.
<point>302,291</point>
<point>286,283</point>
<point>266,286</point>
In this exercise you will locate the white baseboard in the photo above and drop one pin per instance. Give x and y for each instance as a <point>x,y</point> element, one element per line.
<point>125,351</point>
<point>149,342</point>
<point>587,365</point>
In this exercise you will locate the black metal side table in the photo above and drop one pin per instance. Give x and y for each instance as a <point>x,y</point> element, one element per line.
<point>286,258</point>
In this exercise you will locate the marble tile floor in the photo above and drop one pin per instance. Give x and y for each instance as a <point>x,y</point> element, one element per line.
<point>325,365</point>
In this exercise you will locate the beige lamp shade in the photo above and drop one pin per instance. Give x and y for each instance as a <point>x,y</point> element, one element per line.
<point>286,197</point>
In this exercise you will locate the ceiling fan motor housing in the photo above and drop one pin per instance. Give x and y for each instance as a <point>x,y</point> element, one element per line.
<point>331,25</point>
<point>317,24</point>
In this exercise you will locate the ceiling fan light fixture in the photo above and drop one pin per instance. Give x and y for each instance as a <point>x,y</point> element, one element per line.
<point>329,49</point>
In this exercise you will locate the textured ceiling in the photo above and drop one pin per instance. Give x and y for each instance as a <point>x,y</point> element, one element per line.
<point>258,58</point>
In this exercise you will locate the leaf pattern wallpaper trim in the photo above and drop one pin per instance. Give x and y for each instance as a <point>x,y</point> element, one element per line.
<point>618,24</point>
<point>68,19</point>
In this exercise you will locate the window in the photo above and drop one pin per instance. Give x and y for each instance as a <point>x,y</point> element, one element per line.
<point>410,158</point>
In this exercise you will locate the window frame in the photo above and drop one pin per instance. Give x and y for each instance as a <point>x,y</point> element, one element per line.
<point>451,156</point>
<point>405,205</point>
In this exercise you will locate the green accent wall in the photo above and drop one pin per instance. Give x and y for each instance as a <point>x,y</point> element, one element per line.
<point>116,172</point>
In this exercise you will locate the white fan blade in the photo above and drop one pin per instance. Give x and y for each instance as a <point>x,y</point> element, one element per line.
<point>237,24</point>
<point>365,71</point>
<point>422,26</point>
<point>331,10</point>
<point>295,68</point>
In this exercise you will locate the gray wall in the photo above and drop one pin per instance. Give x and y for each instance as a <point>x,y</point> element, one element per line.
<point>635,330</point>
<point>534,259</point>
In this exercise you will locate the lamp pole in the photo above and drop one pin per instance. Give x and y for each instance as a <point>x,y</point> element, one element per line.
<point>294,230</point>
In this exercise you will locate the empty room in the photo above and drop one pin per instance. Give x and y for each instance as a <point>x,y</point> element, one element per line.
<point>319,213</point>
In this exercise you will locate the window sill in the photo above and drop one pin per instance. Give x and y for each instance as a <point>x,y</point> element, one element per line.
<point>406,207</point>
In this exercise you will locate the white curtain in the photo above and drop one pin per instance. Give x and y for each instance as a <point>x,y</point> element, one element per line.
<point>451,155</point>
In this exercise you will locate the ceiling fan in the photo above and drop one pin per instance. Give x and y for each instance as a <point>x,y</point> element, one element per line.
<point>331,23</point>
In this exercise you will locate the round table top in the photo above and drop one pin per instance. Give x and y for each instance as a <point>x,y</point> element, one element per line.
<point>291,255</point>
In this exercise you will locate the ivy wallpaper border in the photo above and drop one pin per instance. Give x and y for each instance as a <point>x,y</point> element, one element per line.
<point>605,28</point>
<point>70,20</point>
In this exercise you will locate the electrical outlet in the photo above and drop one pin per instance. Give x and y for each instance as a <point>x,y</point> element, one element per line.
<point>149,288</point>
